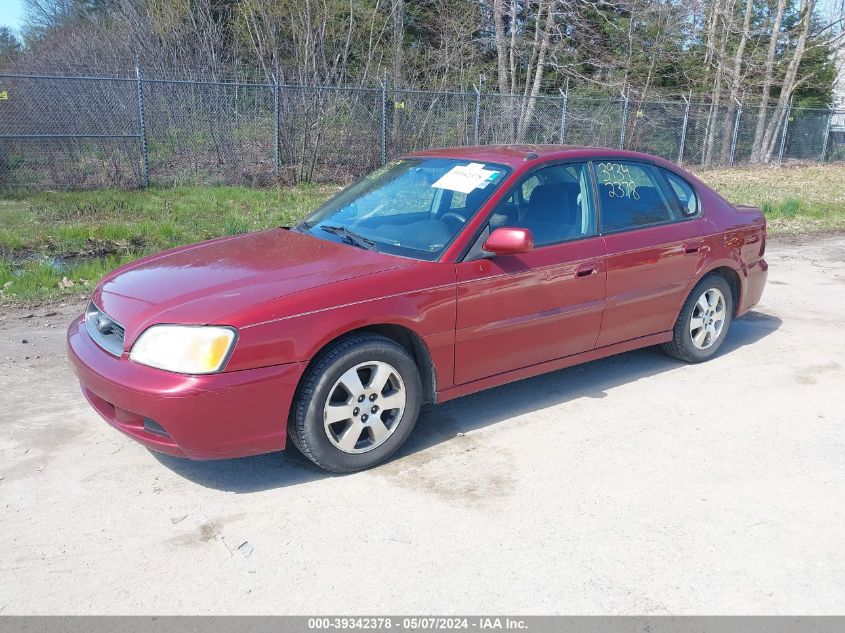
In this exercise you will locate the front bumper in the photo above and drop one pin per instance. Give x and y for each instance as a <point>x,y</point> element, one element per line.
<point>217,416</point>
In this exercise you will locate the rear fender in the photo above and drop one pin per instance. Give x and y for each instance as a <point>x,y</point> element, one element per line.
<point>707,266</point>
<point>750,239</point>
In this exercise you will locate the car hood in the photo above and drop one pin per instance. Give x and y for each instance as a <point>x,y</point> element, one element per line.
<point>211,282</point>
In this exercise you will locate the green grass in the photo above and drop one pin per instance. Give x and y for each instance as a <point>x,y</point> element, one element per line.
<point>800,199</point>
<point>50,240</point>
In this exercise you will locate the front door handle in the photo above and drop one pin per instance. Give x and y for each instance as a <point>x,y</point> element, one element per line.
<point>585,270</point>
<point>691,249</point>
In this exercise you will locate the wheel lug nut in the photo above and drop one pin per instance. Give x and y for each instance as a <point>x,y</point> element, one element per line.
<point>374,409</point>
<point>373,397</point>
<point>364,417</point>
<point>361,398</point>
<point>356,411</point>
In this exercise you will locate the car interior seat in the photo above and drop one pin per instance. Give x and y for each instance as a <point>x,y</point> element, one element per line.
<point>552,212</point>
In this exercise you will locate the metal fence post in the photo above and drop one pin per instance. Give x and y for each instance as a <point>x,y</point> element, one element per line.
<point>563,108</point>
<point>736,132</point>
<point>785,130</point>
<point>384,120</point>
<point>624,119</point>
<point>142,127</point>
<point>823,157</point>
<point>477,110</point>
<point>684,127</point>
<point>277,132</point>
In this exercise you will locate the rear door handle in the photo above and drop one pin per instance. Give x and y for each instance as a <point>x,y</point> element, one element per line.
<point>691,249</point>
<point>585,270</point>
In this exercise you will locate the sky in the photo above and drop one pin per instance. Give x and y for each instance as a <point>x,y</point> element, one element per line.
<point>11,13</point>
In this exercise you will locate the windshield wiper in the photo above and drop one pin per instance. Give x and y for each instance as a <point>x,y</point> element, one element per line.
<point>350,236</point>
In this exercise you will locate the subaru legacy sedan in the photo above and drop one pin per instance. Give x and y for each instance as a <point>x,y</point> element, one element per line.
<point>438,275</point>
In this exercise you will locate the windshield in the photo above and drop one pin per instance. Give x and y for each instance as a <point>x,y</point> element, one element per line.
<point>413,207</point>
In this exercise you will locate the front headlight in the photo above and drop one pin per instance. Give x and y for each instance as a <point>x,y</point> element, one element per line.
<point>186,349</point>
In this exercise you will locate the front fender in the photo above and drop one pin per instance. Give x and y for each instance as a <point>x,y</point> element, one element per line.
<point>426,309</point>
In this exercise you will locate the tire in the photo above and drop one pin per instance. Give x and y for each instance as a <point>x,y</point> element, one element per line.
<point>342,419</point>
<point>694,342</point>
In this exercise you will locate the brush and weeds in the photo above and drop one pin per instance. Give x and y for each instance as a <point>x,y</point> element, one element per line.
<point>55,244</point>
<point>59,243</point>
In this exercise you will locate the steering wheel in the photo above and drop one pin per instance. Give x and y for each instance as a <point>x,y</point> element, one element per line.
<point>454,216</point>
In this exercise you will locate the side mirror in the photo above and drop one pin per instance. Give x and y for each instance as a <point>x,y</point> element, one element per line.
<point>509,241</point>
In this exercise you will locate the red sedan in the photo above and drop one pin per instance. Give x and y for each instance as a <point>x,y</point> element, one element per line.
<point>440,274</point>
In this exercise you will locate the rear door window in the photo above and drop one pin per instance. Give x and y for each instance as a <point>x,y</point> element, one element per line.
<point>630,196</point>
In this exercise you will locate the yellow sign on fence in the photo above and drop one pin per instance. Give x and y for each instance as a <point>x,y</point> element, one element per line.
<point>4,95</point>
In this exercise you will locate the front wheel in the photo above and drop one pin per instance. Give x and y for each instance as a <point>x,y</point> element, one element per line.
<point>357,403</point>
<point>704,321</point>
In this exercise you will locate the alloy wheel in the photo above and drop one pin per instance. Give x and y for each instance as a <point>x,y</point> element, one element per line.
<point>364,407</point>
<point>708,318</point>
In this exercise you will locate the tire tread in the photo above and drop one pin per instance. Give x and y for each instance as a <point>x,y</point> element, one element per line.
<point>679,346</point>
<point>309,384</point>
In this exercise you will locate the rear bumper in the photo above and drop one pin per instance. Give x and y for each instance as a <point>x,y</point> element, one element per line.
<point>203,417</point>
<point>755,281</point>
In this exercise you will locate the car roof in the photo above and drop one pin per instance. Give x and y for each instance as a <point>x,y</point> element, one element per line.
<point>516,155</point>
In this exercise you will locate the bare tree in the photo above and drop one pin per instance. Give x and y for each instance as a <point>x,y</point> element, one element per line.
<point>736,76</point>
<point>789,83</point>
<point>768,78</point>
<point>398,37</point>
<point>540,56</point>
<point>723,14</point>
<point>502,65</point>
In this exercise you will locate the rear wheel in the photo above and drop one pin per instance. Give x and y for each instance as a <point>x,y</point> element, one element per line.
<point>357,404</point>
<point>704,321</point>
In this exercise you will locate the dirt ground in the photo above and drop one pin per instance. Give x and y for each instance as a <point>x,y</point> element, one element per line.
<point>631,485</point>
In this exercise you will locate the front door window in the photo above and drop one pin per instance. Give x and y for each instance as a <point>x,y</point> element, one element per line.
<point>554,203</point>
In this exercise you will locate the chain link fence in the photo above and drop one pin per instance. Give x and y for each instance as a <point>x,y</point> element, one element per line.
<point>83,132</point>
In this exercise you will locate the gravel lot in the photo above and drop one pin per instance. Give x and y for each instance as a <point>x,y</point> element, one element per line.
<point>632,485</point>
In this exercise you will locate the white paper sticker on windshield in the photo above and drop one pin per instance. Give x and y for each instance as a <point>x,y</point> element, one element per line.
<point>465,178</point>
